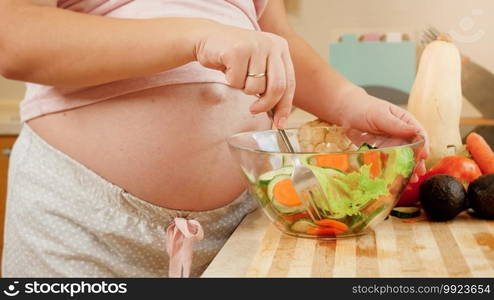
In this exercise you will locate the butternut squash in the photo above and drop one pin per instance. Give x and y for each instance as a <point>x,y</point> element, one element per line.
<point>436,98</point>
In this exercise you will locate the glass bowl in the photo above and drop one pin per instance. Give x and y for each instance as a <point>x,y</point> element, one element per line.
<point>362,176</point>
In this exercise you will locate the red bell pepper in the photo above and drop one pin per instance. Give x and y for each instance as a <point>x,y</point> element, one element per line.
<point>410,195</point>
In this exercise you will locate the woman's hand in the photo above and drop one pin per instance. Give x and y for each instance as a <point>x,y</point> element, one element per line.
<point>361,111</point>
<point>257,62</point>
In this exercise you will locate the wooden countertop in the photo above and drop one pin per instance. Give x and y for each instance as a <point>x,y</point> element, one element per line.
<point>463,247</point>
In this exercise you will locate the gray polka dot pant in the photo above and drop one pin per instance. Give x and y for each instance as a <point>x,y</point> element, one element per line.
<point>64,220</point>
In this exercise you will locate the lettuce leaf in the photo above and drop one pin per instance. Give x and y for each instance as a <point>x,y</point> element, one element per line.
<point>401,161</point>
<point>348,193</point>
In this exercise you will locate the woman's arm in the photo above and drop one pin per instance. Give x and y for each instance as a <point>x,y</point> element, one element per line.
<point>43,44</point>
<point>328,95</point>
<point>320,88</point>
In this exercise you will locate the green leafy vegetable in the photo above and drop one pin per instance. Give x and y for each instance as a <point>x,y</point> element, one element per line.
<point>401,161</point>
<point>347,194</point>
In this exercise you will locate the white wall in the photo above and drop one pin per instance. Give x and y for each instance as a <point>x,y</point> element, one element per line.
<point>322,21</point>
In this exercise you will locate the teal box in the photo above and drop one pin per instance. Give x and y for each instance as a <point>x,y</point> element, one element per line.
<point>390,65</point>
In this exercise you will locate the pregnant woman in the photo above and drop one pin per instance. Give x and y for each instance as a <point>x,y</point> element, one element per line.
<point>121,167</point>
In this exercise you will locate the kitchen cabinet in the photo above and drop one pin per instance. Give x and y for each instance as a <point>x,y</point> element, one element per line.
<point>6,143</point>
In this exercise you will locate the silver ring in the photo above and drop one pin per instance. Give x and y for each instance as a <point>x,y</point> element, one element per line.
<point>256,75</point>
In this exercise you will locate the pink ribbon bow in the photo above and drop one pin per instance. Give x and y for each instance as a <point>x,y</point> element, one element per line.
<point>179,238</point>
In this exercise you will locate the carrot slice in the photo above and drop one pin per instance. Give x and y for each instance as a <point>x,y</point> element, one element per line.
<point>481,152</point>
<point>332,224</point>
<point>384,199</point>
<point>373,159</point>
<point>284,192</point>
<point>337,161</point>
<point>323,231</point>
<point>296,217</point>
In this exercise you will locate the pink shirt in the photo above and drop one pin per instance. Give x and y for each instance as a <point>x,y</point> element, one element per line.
<point>40,99</point>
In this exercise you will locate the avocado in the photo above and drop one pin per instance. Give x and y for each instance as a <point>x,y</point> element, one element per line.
<point>443,197</point>
<point>481,196</point>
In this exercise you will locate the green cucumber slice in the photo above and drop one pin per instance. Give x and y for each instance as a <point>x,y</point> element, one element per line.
<point>405,212</point>
<point>287,210</point>
<point>258,192</point>
<point>265,178</point>
<point>302,225</point>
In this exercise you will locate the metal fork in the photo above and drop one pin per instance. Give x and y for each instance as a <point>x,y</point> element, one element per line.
<point>304,181</point>
<point>430,34</point>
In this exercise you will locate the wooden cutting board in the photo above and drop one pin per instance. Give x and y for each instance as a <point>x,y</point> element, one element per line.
<point>460,248</point>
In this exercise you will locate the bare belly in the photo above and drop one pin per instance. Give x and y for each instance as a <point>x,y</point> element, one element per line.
<point>165,145</point>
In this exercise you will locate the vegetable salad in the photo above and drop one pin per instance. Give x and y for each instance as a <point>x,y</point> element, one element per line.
<point>359,188</point>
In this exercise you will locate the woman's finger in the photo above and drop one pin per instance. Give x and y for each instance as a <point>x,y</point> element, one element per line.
<point>255,82</point>
<point>420,132</point>
<point>421,170</point>
<point>391,120</point>
<point>276,85</point>
<point>423,152</point>
<point>284,106</point>
<point>414,178</point>
<point>236,68</point>
<point>400,123</point>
